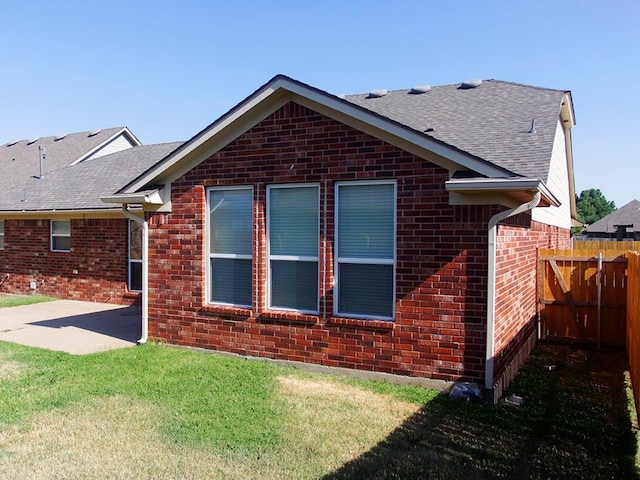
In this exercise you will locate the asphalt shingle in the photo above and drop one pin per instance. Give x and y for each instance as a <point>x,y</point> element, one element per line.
<point>491,121</point>
<point>22,158</point>
<point>628,214</point>
<point>80,186</point>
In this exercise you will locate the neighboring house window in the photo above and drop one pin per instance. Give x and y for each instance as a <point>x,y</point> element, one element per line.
<point>60,235</point>
<point>293,233</point>
<point>230,245</point>
<point>1,234</point>
<point>135,256</point>
<point>365,249</point>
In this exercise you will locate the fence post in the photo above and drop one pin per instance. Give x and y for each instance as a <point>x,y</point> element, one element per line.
<point>599,285</point>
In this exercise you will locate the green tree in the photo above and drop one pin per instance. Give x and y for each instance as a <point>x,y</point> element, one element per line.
<point>592,206</point>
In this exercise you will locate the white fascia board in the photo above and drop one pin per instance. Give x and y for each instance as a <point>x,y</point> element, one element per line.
<point>199,140</point>
<point>477,184</point>
<point>107,212</point>
<point>224,136</point>
<point>130,134</point>
<point>501,185</point>
<point>147,197</point>
<point>123,131</point>
<point>567,113</point>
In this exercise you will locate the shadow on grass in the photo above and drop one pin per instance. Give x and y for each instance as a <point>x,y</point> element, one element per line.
<point>574,424</point>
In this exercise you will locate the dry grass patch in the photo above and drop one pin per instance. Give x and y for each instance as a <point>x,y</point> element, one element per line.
<point>331,423</point>
<point>327,423</point>
<point>108,438</point>
<point>9,368</point>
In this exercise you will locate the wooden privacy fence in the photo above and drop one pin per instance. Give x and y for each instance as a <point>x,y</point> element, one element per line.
<point>633,324</point>
<point>582,293</point>
<point>592,293</point>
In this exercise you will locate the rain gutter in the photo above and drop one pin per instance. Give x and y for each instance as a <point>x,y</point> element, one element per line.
<point>145,271</point>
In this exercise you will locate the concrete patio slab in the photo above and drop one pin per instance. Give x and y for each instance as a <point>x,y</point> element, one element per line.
<point>71,326</point>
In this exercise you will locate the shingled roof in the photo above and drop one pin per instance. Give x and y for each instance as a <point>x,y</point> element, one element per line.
<point>491,121</point>
<point>78,186</point>
<point>20,159</point>
<point>629,214</point>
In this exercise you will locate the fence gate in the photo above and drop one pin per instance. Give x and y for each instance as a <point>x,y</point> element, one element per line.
<point>582,295</point>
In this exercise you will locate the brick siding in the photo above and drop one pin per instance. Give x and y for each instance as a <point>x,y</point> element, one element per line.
<point>516,290</point>
<point>439,326</point>
<point>95,269</point>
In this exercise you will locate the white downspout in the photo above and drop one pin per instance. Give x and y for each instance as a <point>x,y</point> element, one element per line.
<point>145,271</point>
<point>491,284</point>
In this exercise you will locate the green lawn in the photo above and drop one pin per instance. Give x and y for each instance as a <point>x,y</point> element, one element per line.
<point>7,300</point>
<point>160,412</point>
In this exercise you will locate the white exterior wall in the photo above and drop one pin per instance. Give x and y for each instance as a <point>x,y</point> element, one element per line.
<point>121,142</point>
<point>558,184</point>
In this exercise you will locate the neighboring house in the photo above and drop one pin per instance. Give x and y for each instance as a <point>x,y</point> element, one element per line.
<point>56,236</point>
<point>394,232</point>
<point>622,224</point>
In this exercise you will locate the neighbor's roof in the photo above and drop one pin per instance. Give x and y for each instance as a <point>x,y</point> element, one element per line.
<point>491,121</point>
<point>80,186</point>
<point>626,215</point>
<point>22,158</point>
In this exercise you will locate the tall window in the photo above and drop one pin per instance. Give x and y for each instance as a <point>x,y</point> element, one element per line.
<point>60,235</point>
<point>135,256</point>
<point>293,232</point>
<point>365,246</point>
<point>230,245</point>
<point>1,234</point>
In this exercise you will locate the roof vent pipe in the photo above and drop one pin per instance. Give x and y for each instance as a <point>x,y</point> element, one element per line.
<point>42,157</point>
<point>532,130</point>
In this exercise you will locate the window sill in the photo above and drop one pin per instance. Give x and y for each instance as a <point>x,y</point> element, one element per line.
<point>274,316</point>
<point>221,310</point>
<point>361,323</point>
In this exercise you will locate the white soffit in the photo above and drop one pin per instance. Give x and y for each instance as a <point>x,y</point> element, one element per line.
<point>500,185</point>
<point>151,197</point>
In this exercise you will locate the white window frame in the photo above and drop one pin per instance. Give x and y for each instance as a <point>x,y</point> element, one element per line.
<point>60,235</point>
<point>131,261</point>
<point>364,261</point>
<point>210,255</point>
<point>1,234</point>
<point>270,257</point>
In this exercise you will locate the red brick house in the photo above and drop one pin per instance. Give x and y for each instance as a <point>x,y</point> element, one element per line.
<point>394,232</point>
<point>56,236</point>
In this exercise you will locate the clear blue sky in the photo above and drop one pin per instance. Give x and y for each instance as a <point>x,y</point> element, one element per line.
<point>168,69</point>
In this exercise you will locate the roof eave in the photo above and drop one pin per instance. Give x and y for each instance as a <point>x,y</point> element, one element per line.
<point>146,197</point>
<point>66,213</point>
<point>506,191</point>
